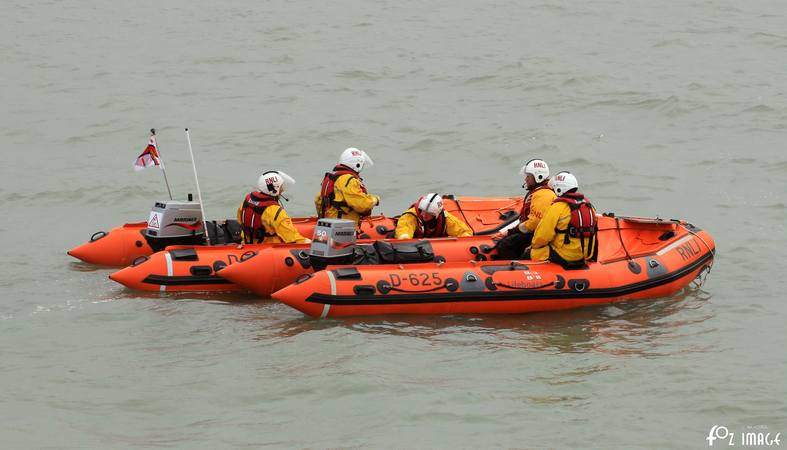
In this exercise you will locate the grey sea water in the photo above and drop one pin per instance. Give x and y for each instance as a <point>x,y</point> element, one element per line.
<point>675,109</point>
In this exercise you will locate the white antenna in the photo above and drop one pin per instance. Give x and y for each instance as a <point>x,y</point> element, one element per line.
<point>199,193</point>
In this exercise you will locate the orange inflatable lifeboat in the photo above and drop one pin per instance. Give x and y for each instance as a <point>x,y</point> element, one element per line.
<point>266,268</point>
<point>122,245</point>
<point>188,268</point>
<point>274,268</point>
<point>638,258</point>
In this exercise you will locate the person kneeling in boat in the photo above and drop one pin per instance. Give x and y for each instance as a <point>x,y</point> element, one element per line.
<point>342,194</point>
<point>428,219</point>
<point>537,200</point>
<point>567,233</point>
<point>262,218</point>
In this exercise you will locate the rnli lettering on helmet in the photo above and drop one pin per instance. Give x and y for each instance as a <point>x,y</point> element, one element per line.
<point>560,177</point>
<point>356,153</point>
<point>270,180</point>
<point>539,165</point>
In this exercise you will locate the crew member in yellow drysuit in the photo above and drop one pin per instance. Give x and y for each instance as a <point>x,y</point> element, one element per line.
<point>539,197</point>
<point>428,219</point>
<point>262,218</point>
<point>567,232</point>
<point>343,194</point>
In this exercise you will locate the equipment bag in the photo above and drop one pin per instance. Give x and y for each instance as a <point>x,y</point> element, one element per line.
<point>394,253</point>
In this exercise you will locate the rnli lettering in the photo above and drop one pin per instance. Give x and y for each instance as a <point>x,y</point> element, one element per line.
<point>416,279</point>
<point>689,250</point>
<point>185,219</point>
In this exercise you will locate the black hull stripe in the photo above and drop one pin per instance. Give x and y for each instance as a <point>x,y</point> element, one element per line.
<point>485,296</point>
<point>184,280</point>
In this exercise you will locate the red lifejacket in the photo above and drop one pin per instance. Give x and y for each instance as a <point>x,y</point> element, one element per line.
<point>583,223</point>
<point>432,229</point>
<point>327,189</point>
<point>526,204</point>
<point>251,216</point>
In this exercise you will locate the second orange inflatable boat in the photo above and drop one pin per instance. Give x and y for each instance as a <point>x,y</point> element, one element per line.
<point>122,245</point>
<point>266,268</point>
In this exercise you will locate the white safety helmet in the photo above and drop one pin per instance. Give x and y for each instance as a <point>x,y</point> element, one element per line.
<point>536,167</point>
<point>355,159</point>
<point>563,182</point>
<point>274,182</point>
<point>431,203</point>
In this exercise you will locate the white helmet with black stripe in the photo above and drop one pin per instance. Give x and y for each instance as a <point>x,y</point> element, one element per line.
<point>431,203</point>
<point>274,182</point>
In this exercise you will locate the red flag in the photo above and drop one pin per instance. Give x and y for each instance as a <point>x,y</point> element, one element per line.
<point>149,156</point>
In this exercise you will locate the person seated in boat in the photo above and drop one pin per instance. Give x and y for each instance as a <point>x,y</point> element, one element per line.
<point>262,218</point>
<point>428,219</point>
<point>537,200</point>
<point>567,233</point>
<point>343,194</point>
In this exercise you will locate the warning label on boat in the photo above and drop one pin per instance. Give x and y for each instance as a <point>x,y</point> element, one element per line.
<point>155,220</point>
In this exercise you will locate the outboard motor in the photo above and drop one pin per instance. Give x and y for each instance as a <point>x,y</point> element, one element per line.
<point>174,222</point>
<point>333,243</point>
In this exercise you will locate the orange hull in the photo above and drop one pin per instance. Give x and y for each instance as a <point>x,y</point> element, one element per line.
<point>186,269</point>
<point>118,247</point>
<point>637,259</point>
<point>274,268</point>
<point>260,268</point>
<point>122,245</point>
